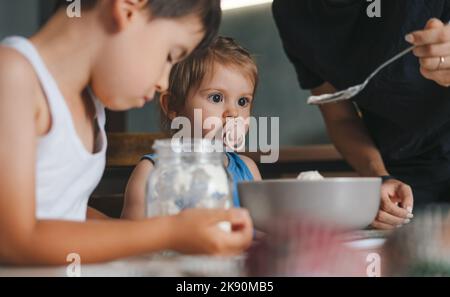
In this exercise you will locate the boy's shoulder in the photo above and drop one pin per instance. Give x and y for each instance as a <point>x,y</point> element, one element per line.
<point>15,69</point>
<point>13,62</point>
<point>17,76</point>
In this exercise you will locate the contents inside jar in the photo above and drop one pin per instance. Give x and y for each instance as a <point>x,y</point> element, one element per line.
<point>310,175</point>
<point>185,179</point>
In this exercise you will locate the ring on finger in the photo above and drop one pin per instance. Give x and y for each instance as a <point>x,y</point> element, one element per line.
<point>441,61</point>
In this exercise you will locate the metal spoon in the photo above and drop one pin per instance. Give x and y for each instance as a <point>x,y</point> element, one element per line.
<point>353,91</point>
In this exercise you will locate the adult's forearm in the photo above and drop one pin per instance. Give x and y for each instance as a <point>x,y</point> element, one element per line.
<point>350,136</point>
<point>354,143</point>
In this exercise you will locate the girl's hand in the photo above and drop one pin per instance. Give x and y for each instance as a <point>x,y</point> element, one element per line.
<point>396,205</point>
<point>433,51</point>
<point>196,231</point>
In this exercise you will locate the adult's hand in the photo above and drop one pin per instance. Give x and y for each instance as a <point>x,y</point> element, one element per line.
<point>396,205</point>
<point>433,50</point>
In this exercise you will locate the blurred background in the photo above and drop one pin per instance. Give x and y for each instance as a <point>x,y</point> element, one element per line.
<point>279,94</point>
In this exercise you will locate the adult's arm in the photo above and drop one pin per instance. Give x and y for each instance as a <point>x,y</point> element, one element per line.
<point>351,138</point>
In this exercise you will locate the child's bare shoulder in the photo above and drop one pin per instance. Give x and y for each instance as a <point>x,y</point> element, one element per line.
<point>247,160</point>
<point>145,165</point>
<point>251,166</point>
<point>140,174</point>
<point>18,80</point>
<point>15,70</point>
<point>143,168</point>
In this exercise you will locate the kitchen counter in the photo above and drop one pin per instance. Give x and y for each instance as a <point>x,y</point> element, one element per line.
<point>147,266</point>
<point>179,265</point>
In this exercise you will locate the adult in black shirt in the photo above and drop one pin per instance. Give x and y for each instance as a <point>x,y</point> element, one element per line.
<point>399,126</point>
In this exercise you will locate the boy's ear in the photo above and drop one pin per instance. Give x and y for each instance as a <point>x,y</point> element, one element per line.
<point>124,11</point>
<point>164,103</point>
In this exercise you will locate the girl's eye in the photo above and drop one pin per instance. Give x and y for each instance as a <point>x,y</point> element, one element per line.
<point>243,102</point>
<point>216,98</point>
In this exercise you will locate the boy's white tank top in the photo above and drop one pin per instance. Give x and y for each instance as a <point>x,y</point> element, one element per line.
<point>66,173</point>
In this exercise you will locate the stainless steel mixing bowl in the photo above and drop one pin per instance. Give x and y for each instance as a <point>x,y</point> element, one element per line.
<point>350,203</point>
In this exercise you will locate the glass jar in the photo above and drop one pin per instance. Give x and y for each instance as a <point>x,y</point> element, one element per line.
<point>188,173</point>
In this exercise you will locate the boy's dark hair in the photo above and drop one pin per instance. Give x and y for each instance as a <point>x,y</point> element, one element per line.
<point>209,12</point>
<point>187,76</point>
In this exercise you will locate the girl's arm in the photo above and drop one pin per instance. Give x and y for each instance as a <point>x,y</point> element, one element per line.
<point>252,167</point>
<point>134,203</point>
<point>26,240</point>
